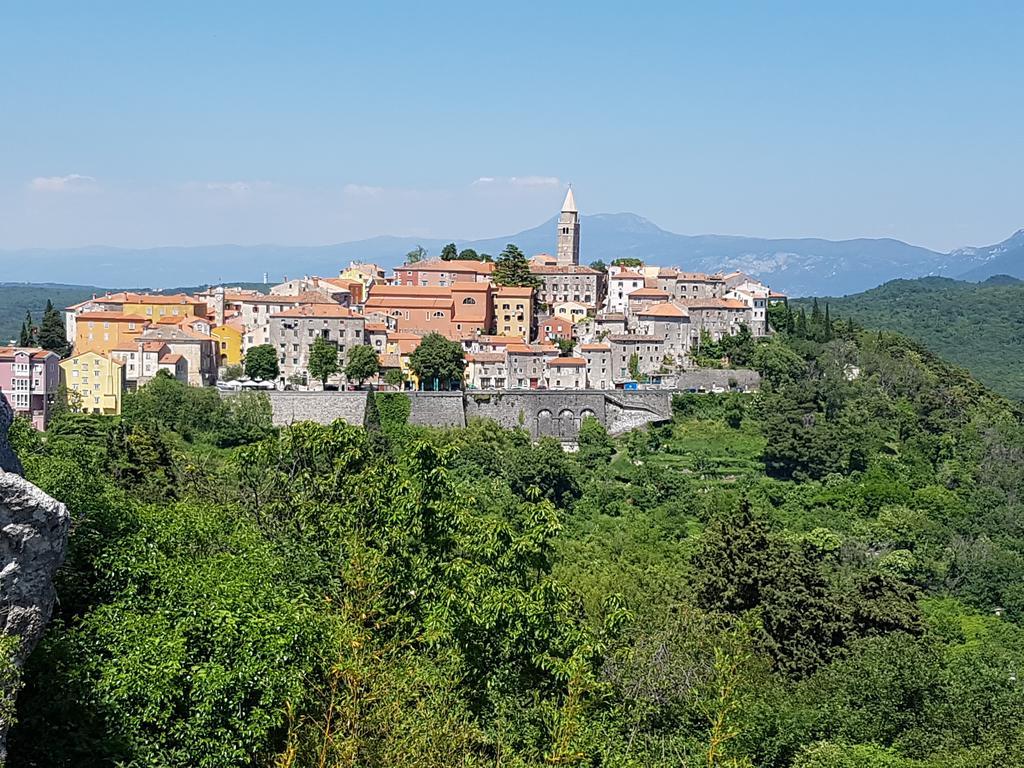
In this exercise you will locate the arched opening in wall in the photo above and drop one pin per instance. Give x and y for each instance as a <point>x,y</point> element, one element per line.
<point>545,423</point>
<point>585,413</point>
<point>567,424</point>
<point>469,300</point>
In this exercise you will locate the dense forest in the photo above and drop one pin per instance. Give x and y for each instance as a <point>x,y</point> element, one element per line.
<point>977,325</point>
<point>827,574</point>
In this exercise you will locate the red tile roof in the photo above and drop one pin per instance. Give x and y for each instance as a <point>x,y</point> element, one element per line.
<point>567,362</point>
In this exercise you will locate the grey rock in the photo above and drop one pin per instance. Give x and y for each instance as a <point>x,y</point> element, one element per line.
<point>33,538</point>
<point>8,461</point>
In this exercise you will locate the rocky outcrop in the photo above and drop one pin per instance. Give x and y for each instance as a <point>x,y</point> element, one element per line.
<point>8,461</point>
<point>33,537</point>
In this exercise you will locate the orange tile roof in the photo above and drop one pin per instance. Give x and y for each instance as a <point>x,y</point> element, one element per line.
<point>376,327</point>
<point>647,292</point>
<point>129,297</point>
<point>152,346</point>
<point>567,362</point>
<point>170,359</point>
<point>714,303</point>
<point>378,291</point>
<point>595,347</point>
<point>33,352</point>
<point>521,349</point>
<point>665,309</point>
<point>331,310</point>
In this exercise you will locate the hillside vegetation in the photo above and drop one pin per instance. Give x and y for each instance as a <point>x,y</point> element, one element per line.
<point>827,574</point>
<point>977,325</point>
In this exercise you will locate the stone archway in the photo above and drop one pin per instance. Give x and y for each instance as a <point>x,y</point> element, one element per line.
<point>568,427</point>
<point>545,423</point>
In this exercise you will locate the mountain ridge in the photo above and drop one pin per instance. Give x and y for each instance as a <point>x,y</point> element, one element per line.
<point>797,266</point>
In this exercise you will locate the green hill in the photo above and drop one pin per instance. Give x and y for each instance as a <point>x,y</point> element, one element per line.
<point>977,325</point>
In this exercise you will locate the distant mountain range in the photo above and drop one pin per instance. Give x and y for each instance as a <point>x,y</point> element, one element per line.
<point>799,267</point>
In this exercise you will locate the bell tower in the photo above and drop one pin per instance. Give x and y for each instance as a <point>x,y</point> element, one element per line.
<point>568,232</point>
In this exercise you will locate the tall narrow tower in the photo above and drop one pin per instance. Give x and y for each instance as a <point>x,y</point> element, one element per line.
<point>569,232</point>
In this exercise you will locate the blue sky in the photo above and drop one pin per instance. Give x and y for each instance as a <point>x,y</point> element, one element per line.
<point>138,124</point>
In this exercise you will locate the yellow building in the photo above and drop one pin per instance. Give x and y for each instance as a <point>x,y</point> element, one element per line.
<point>97,380</point>
<point>153,307</point>
<point>104,331</point>
<point>228,338</point>
<point>513,311</point>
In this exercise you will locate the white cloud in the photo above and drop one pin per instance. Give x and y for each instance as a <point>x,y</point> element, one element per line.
<point>362,190</point>
<point>518,181</point>
<point>534,181</point>
<point>60,183</point>
<point>231,187</point>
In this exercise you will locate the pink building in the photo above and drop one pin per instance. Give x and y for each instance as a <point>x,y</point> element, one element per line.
<point>28,380</point>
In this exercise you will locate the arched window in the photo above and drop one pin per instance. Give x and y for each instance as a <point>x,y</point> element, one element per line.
<point>439,314</point>
<point>469,300</point>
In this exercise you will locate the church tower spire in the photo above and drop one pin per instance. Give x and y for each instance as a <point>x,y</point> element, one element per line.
<point>568,232</point>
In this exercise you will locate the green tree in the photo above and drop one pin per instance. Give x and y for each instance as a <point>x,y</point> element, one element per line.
<point>628,262</point>
<point>416,255</point>
<point>513,269</point>
<point>363,363</point>
<point>52,335</point>
<point>438,362</point>
<point>596,447</point>
<point>261,363</point>
<point>599,266</point>
<point>565,346</point>
<point>449,252</point>
<point>323,360</point>
<point>468,254</point>
<point>233,372</point>
<point>27,337</point>
<point>394,377</point>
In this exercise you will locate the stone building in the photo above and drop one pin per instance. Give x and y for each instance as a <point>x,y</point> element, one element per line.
<point>568,232</point>
<point>599,365</point>
<point>690,285</point>
<point>648,351</point>
<point>569,282</point>
<point>293,331</point>
<point>486,370</point>
<point>566,373</point>
<point>198,350</point>
<point>526,365</point>
<point>719,317</point>
<point>669,322</point>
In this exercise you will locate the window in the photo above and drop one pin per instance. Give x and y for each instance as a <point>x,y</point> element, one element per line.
<point>469,300</point>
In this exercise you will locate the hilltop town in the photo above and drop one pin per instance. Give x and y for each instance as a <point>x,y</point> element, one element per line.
<point>508,322</point>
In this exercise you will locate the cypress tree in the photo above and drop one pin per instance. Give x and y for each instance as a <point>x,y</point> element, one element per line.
<point>28,338</point>
<point>801,324</point>
<point>828,325</point>
<point>52,335</point>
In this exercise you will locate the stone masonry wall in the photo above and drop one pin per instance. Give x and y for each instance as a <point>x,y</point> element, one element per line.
<point>321,407</point>
<point>706,378</point>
